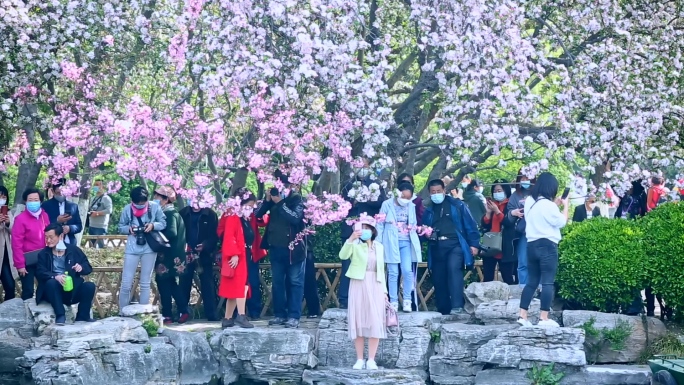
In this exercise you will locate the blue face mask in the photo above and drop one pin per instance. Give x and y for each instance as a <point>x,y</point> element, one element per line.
<point>437,198</point>
<point>96,189</point>
<point>499,196</point>
<point>525,184</point>
<point>33,206</point>
<point>366,234</point>
<point>139,207</point>
<point>157,201</point>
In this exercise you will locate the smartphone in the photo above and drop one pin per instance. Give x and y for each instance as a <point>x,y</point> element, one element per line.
<point>566,192</point>
<point>4,209</point>
<point>358,226</point>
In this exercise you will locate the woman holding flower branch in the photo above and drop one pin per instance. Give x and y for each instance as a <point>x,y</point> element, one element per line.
<point>398,234</point>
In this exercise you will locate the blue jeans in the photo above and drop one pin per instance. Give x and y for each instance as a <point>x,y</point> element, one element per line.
<point>447,275</point>
<point>521,251</point>
<point>254,302</point>
<point>287,299</point>
<point>406,273</point>
<point>97,231</point>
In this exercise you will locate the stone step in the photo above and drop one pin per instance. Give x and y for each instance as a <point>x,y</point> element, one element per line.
<point>590,375</point>
<point>349,376</point>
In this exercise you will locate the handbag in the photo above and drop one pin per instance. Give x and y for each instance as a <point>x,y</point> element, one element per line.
<point>491,243</point>
<point>227,270</point>
<point>521,224</point>
<point>155,239</point>
<point>391,317</point>
<point>31,257</point>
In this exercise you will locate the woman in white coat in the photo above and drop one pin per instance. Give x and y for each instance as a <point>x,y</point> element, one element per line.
<point>398,234</point>
<point>8,273</point>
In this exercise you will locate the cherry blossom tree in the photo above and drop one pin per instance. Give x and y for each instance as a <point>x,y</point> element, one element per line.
<point>199,94</point>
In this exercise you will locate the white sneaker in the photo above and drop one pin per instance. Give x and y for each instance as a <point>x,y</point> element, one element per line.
<point>407,306</point>
<point>524,322</point>
<point>395,306</point>
<point>371,365</point>
<point>549,323</point>
<point>360,364</point>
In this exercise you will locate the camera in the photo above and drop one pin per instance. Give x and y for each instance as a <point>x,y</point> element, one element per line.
<point>434,237</point>
<point>139,233</point>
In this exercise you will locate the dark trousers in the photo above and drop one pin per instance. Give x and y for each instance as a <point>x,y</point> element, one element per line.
<point>168,290</point>
<point>287,284</point>
<point>82,295</point>
<point>254,301</point>
<point>206,284</point>
<point>542,265</point>
<point>507,270</point>
<point>97,231</point>
<point>313,305</point>
<point>6,278</point>
<point>447,275</point>
<point>343,292</point>
<point>28,283</point>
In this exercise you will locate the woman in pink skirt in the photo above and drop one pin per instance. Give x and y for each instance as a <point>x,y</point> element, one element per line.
<point>367,290</point>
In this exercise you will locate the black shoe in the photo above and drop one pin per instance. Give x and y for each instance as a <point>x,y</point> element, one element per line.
<point>60,320</point>
<point>292,323</point>
<point>243,322</point>
<point>227,323</point>
<point>277,321</point>
<point>312,316</point>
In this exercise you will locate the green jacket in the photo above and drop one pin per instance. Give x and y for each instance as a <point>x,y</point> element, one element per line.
<point>358,253</point>
<point>174,261</point>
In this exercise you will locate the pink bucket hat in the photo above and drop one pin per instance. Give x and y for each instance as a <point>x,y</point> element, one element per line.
<point>365,219</point>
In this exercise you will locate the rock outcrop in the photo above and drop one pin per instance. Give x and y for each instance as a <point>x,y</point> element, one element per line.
<point>640,331</point>
<point>478,293</point>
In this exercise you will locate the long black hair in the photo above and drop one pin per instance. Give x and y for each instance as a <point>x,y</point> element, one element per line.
<point>3,191</point>
<point>546,187</point>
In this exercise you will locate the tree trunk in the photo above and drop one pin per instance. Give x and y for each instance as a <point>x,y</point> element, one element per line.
<point>239,180</point>
<point>28,169</point>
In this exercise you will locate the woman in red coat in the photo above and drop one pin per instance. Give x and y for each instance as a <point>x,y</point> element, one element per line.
<point>237,237</point>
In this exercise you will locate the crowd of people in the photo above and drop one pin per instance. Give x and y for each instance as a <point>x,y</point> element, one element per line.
<point>514,228</point>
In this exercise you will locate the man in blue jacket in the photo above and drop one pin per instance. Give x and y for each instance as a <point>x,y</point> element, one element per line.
<point>63,212</point>
<point>452,246</point>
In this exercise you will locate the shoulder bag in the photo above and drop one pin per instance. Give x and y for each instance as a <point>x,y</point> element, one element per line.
<point>491,244</point>
<point>391,317</point>
<point>155,239</point>
<point>520,223</point>
<point>31,258</point>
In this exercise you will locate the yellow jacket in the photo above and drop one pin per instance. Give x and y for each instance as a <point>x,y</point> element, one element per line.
<point>358,253</point>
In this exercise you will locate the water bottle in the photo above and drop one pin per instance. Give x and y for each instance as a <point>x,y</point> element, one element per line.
<point>68,282</point>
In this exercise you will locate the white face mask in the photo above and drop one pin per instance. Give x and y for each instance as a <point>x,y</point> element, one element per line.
<point>403,202</point>
<point>60,245</point>
<point>3,201</point>
<point>592,206</point>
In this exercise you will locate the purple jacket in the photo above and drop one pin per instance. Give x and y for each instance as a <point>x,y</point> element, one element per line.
<point>28,234</point>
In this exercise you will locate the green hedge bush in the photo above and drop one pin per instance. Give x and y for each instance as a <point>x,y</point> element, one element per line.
<point>602,263</point>
<point>664,238</point>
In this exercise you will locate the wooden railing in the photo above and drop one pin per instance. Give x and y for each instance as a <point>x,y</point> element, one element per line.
<point>108,281</point>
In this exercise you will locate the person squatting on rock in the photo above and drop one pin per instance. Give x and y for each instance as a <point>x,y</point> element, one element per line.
<point>61,211</point>
<point>544,222</point>
<point>288,258</point>
<point>455,239</point>
<point>237,237</point>
<point>172,262</point>
<point>139,217</point>
<point>60,270</point>
<point>367,290</point>
<point>398,234</point>
<point>8,273</point>
<point>28,235</point>
<point>202,241</point>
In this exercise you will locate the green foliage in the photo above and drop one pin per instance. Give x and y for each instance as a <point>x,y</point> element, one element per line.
<point>150,326</point>
<point>669,344</point>
<point>544,375</point>
<point>602,263</point>
<point>327,243</point>
<point>435,336</point>
<point>664,230</point>
<point>597,339</point>
<point>148,348</point>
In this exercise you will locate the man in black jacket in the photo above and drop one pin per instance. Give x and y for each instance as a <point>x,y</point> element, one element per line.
<point>288,259</point>
<point>55,262</point>
<point>371,208</point>
<point>200,234</point>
